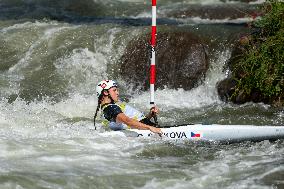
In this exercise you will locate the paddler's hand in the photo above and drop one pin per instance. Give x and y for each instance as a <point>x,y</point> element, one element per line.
<point>153,112</point>
<point>156,130</point>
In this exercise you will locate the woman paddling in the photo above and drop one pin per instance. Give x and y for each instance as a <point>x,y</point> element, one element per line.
<point>121,116</point>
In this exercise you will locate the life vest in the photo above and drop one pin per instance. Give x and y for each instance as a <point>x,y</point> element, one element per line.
<point>128,111</point>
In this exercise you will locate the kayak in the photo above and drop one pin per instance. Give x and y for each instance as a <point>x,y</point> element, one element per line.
<point>215,132</point>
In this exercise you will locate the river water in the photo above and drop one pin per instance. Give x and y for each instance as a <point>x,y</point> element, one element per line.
<point>53,53</point>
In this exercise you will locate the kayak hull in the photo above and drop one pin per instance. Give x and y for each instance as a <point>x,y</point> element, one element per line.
<point>222,133</point>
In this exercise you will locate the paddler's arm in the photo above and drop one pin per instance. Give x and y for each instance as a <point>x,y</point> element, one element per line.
<point>122,118</point>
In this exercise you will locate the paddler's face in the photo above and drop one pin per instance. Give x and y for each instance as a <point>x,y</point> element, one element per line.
<point>114,93</point>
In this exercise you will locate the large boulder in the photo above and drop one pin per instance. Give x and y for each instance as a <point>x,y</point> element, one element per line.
<point>227,87</point>
<point>227,92</point>
<point>181,61</point>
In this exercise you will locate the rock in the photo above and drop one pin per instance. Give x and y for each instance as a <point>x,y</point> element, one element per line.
<point>226,89</point>
<point>226,92</point>
<point>181,61</point>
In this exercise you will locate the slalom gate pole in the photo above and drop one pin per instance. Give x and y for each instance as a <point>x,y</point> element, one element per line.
<point>153,56</point>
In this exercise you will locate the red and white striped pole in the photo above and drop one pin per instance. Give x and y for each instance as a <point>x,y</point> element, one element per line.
<point>153,55</point>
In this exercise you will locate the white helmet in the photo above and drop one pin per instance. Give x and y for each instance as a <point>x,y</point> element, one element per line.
<point>105,85</point>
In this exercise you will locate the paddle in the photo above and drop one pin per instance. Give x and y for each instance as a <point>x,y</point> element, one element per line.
<point>177,125</point>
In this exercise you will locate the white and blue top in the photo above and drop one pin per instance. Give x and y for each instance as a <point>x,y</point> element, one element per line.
<point>110,112</point>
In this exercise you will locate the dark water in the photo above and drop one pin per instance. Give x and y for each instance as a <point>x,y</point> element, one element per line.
<point>53,53</point>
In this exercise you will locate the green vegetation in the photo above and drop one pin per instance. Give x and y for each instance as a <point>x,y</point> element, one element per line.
<point>261,67</point>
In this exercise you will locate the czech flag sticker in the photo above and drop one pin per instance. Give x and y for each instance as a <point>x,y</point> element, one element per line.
<point>195,135</point>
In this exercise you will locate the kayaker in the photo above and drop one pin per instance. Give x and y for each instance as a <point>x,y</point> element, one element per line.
<point>119,115</point>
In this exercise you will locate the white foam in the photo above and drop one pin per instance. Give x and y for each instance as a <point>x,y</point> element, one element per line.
<point>80,67</point>
<point>84,68</point>
<point>143,15</point>
<point>76,106</point>
<point>55,159</point>
<point>105,44</point>
<point>198,20</point>
<point>3,120</point>
<point>257,2</point>
<point>166,184</point>
<point>27,25</point>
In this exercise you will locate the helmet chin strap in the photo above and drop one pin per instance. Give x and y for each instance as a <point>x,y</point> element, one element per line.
<point>111,99</point>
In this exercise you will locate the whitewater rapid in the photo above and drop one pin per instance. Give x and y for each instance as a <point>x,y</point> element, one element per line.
<point>52,55</point>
